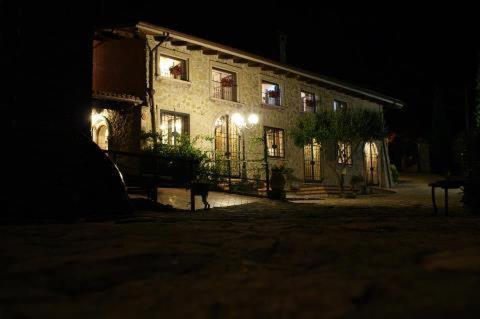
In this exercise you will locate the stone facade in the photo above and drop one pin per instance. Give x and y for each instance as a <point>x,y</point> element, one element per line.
<point>194,97</point>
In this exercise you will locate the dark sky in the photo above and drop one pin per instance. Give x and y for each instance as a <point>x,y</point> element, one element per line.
<point>401,51</point>
<point>407,52</point>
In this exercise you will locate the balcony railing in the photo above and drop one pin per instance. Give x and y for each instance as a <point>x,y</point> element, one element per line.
<point>309,105</point>
<point>220,91</point>
<point>271,98</point>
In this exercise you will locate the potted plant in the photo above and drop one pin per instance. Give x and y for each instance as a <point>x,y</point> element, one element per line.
<point>272,94</point>
<point>278,181</point>
<point>355,181</point>
<point>176,71</point>
<point>226,82</point>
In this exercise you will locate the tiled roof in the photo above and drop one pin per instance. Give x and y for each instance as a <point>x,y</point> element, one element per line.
<point>117,97</point>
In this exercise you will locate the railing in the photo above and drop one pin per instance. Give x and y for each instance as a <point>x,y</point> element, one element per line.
<point>271,100</point>
<point>309,105</point>
<point>149,171</point>
<point>240,175</point>
<point>223,92</point>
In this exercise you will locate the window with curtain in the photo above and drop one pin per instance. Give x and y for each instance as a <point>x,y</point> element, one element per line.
<point>275,142</point>
<point>344,153</point>
<point>339,105</point>
<point>173,68</point>
<point>308,101</point>
<point>172,126</point>
<point>271,93</point>
<point>224,85</point>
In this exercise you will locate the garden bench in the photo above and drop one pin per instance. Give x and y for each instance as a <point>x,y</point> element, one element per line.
<point>451,183</point>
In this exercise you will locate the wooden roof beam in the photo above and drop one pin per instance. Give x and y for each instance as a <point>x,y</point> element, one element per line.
<point>209,52</point>
<point>225,56</point>
<point>267,68</point>
<point>178,43</point>
<point>194,47</point>
<point>240,60</point>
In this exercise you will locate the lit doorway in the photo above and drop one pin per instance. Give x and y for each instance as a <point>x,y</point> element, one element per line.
<point>227,146</point>
<point>371,163</point>
<point>100,131</point>
<point>312,163</point>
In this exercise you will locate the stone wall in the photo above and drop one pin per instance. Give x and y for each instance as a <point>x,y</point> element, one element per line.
<point>194,97</point>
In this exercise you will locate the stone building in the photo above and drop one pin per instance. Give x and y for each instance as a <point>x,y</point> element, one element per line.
<point>147,76</point>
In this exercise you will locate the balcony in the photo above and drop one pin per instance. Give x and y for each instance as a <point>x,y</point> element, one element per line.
<point>225,91</point>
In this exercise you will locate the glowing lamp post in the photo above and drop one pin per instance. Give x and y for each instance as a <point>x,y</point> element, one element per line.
<point>239,120</point>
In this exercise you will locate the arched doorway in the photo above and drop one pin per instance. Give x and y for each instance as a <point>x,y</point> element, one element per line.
<point>227,146</point>
<point>102,137</point>
<point>100,131</point>
<point>371,163</point>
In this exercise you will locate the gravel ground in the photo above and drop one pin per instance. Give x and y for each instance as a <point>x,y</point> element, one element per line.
<point>373,257</point>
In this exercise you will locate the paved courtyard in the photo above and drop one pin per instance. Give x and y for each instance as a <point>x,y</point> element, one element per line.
<point>180,198</point>
<point>334,258</point>
<point>411,192</point>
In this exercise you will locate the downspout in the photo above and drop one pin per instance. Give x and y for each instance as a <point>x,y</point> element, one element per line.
<point>151,77</point>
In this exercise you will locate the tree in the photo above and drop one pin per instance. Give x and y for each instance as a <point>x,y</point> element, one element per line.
<point>349,128</point>
<point>471,191</point>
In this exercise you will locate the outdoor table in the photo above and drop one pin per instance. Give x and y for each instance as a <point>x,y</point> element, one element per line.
<point>445,185</point>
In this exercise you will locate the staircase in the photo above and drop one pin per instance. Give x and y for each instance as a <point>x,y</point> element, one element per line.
<point>312,191</point>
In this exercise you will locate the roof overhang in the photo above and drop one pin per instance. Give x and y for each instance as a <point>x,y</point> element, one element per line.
<point>225,52</point>
<point>110,100</point>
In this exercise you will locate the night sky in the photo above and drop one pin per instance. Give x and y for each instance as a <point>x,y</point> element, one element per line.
<point>406,52</point>
<point>424,56</point>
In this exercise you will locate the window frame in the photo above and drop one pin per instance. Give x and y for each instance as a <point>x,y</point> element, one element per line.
<point>281,148</point>
<point>185,74</point>
<point>342,104</point>
<point>235,96</point>
<point>185,125</point>
<point>304,101</point>
<point>280,93</point>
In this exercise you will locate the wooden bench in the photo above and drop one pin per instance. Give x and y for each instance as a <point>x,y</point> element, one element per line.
<point>452,183</point>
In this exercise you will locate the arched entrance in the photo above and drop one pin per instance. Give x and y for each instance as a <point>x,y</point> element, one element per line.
<point>371,163</point>
<point>227,146</point>
<point>100,131</point>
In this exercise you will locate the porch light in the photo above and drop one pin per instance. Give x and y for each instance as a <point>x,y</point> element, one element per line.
<point>253,119</point>
<point>238,120</point>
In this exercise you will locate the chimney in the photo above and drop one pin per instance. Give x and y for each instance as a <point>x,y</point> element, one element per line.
<point>282,42</point>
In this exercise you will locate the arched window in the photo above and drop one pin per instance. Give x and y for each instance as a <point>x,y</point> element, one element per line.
<point>371,163</point>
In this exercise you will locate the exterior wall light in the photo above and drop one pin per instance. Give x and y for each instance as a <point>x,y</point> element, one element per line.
<point>253,119</point>
<point>238,120</point>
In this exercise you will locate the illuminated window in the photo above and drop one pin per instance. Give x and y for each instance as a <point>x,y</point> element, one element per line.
<point>224,85</point>
<point>309,104</point>
<point>271,93</point>
<point>275,143</point>
<point>344,153</point>
<point>339,105</point>
<point>173,68</point>
<point>173,126</point>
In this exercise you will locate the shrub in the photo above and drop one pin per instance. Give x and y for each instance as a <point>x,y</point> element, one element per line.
<point>183,161</point>
<point>394,173</point>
